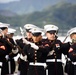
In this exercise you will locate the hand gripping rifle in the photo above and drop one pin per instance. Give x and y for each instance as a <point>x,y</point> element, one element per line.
<point>11,45</point>
<point>21,50</point>
<point>14,47</point>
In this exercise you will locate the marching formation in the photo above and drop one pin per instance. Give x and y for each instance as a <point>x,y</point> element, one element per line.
<point>37,55</point>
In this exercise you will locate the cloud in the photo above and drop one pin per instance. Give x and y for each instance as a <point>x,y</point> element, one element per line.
<point>7,1</point>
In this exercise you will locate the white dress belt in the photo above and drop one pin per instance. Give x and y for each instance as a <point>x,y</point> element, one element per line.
<point>74,63</point>
<point>53,60</point>
<point>38,64</point>
<point>1,63</point>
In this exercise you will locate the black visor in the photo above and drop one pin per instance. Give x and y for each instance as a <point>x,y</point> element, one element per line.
<point>27,30</point>
<point>3,28</point>
<point>36,34</point>
<point>73,33</point>
<point>51,32</point>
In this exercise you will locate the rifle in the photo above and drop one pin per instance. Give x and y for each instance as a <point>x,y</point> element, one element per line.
<point>14,47</point>
<point>65,38</point>
<point>52,48</point>
<point>22,32</point>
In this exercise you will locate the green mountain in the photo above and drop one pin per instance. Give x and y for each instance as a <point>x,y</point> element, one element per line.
<point>63,15</point>
<point>28,6</point>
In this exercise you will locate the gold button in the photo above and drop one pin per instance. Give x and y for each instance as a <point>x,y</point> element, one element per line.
<point>55,56</point>
<point>35,54</point>
<point>35,58</point>
<point>35,51</point>
<point>54,53</point>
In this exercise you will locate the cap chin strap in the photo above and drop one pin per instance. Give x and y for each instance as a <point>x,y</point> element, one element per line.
<point>73,40</point>
<point>1,33</point>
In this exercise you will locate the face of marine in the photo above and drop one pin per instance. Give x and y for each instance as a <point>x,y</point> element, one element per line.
<point>36,38</point>
<point>10,35</point>
<point>5,31</point>
<point>73,37</point>
<point>51,36</point>
<point>29,35</point>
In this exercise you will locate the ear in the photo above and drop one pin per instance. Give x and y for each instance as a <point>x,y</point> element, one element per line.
<point>71,36</point>
<point>46,33</point>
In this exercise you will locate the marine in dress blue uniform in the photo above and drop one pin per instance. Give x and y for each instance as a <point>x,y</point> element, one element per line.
<point>54,63</point>
<point>72,51</point>
<point>23,65</point>
<point>36,53</point>
<point>5,49</point>
<point>10,35</point>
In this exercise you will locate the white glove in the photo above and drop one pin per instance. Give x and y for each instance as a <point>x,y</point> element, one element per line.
<point>15,51</point>
<point>23,57</point>
<point>34,46</point>
<point>7,57</point>
<point>25,41</point>
<point>51,53</point>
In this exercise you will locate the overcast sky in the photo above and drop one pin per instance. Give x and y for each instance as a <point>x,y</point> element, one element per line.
<point>6,1</point>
